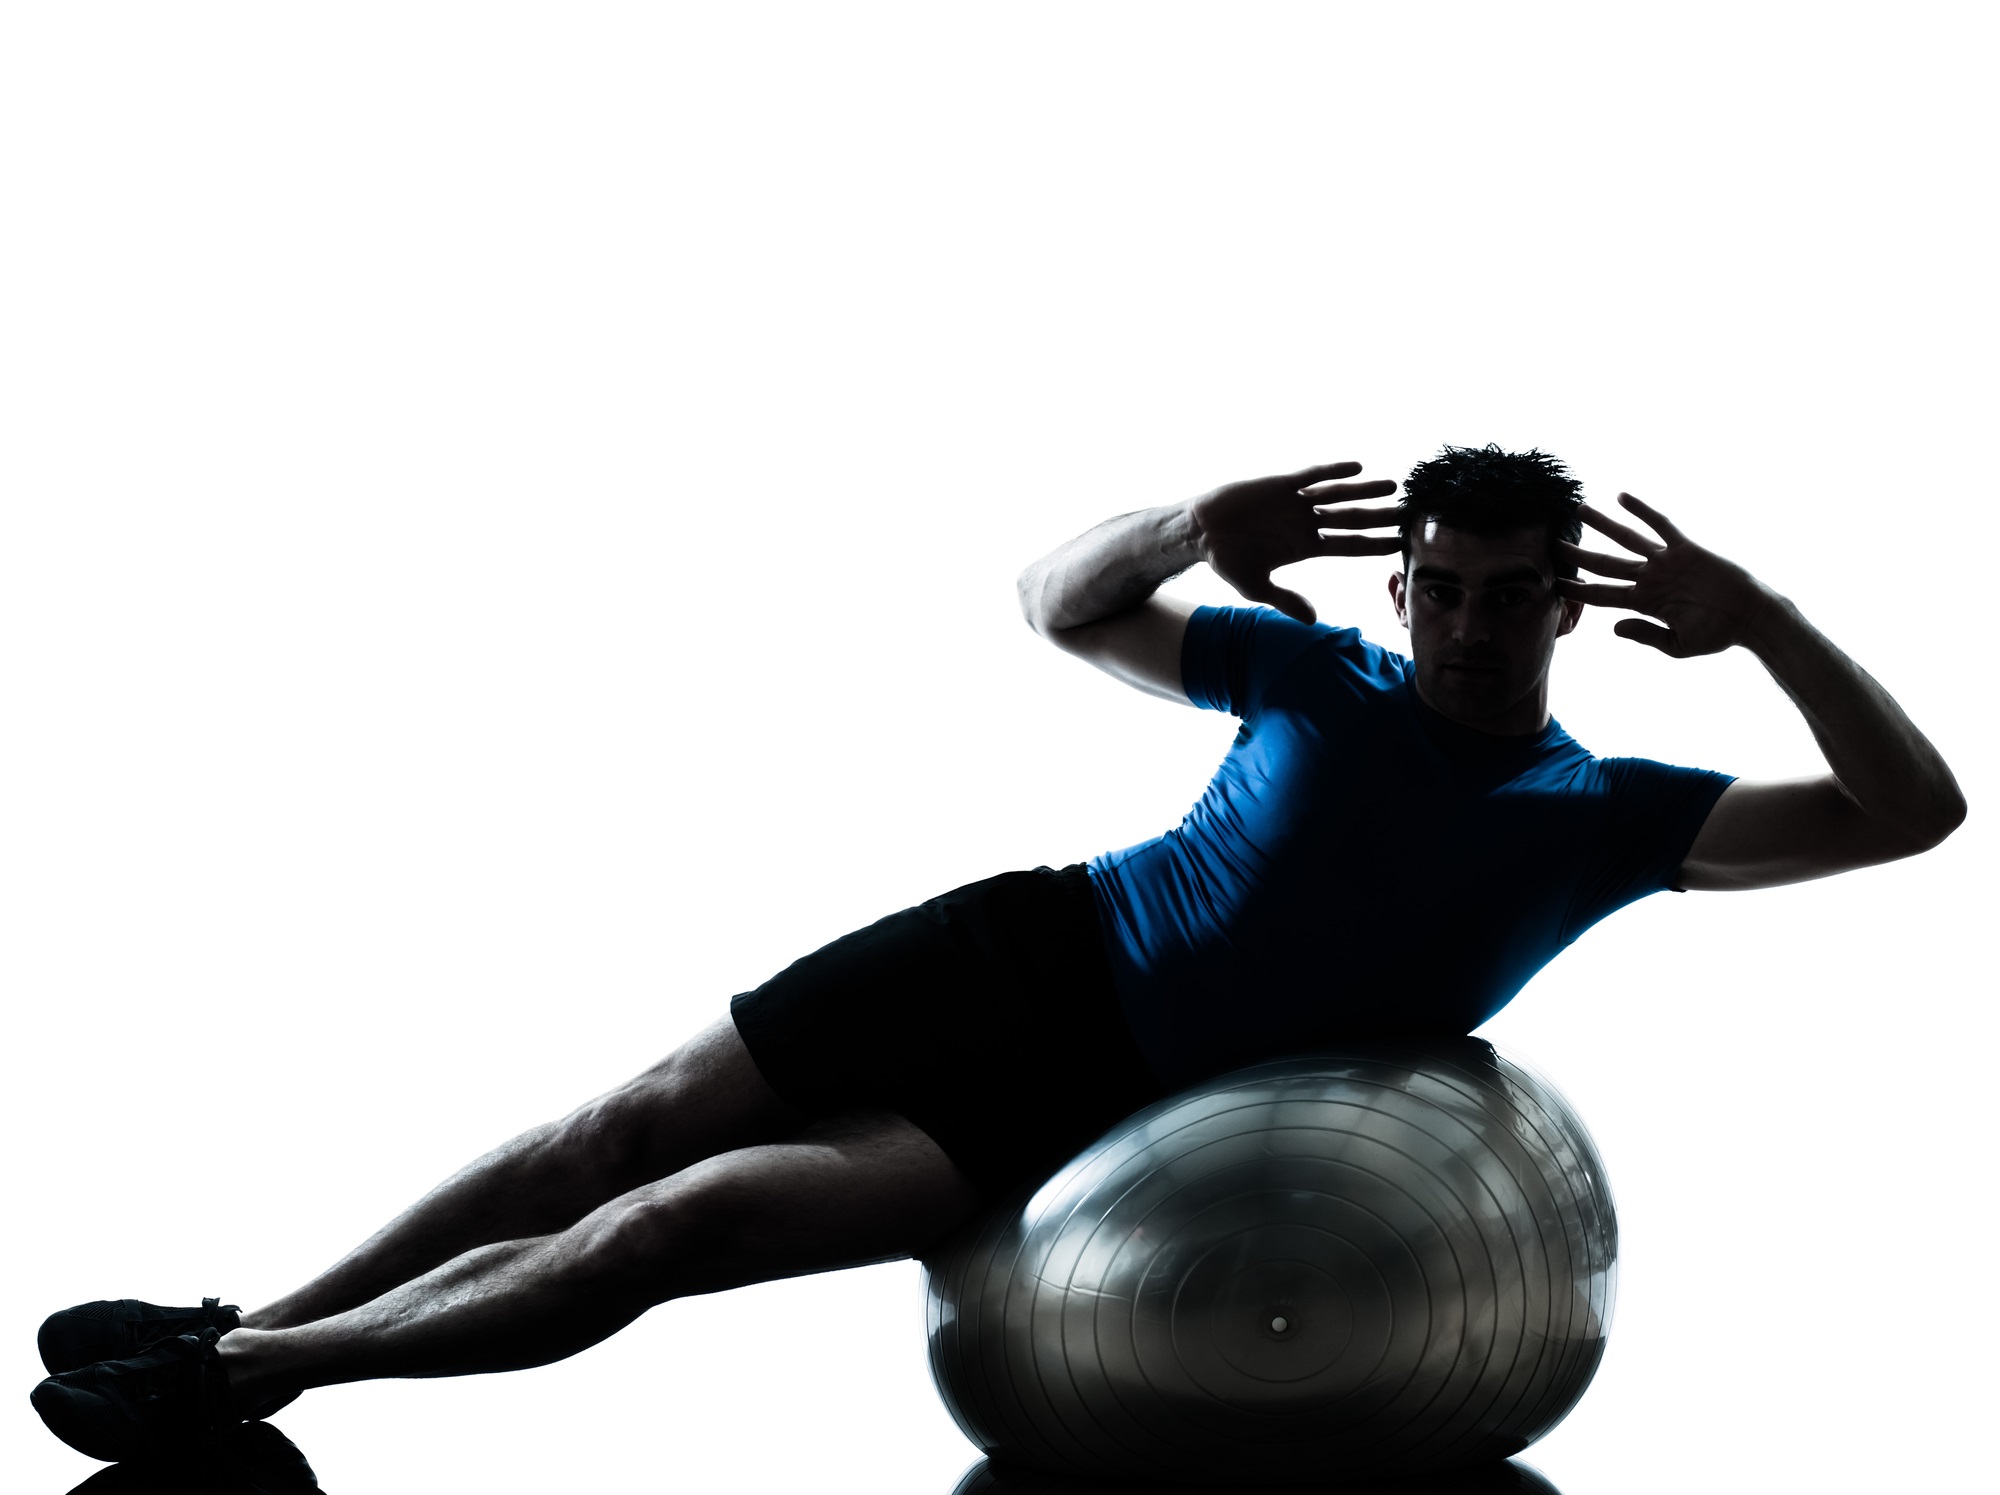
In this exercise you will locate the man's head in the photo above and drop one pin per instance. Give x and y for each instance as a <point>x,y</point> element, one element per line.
<point>1477,589</point>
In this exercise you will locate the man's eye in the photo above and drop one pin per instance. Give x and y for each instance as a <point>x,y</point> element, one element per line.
<point>1443,596</point>
<point>1512,597</point>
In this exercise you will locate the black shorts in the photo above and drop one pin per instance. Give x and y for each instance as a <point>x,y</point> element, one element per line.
<point>985,1016</point>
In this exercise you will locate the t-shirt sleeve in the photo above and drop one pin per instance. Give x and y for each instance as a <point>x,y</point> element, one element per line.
<point>1652,815</point>
<point>1229,655</point>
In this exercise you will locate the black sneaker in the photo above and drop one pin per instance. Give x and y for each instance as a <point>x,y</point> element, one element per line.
<point>120,1329</point>
<point>169,1402</point>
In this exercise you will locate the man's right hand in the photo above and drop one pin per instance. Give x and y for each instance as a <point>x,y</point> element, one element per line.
<point>1097,597</point>
<point>1247,530</point>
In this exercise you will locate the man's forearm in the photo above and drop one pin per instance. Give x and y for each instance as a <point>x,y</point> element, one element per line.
<point>1109,569</point>
<point>1883,763</point>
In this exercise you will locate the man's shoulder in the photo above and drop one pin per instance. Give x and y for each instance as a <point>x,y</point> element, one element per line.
<point>1641,787</point>
<point>1276,636</point>
<point>1645,774</point>
<point>1246,659</point>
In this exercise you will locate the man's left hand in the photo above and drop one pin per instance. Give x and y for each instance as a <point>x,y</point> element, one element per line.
<point>1704,603</point>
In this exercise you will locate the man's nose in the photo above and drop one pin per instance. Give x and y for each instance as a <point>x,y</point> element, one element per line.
<point>1469,624</point>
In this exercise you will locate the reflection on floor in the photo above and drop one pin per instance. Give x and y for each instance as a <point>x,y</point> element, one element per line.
<point>253,1458</point>
<point>987,1478</point>
<point>257,1459</point>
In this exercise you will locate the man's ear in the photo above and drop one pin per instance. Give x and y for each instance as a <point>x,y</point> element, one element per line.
<point>1571,611</point>
<point>1396,596</point>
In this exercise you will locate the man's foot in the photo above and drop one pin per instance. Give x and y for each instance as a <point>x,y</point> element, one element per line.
<point>169,1402</point>
<point>118,1329</point>
<point>121,1328</point>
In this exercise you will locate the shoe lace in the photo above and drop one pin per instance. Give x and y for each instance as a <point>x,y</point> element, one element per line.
<point>212,1310</point>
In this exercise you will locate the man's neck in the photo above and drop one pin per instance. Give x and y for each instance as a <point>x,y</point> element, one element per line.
<point>1525,718</point>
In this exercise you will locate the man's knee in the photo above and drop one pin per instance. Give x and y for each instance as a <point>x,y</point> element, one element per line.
<point>657,1241</point>
<point>606,1137</point>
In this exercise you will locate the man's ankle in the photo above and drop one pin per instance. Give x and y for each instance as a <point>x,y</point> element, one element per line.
<point>248,1362</point>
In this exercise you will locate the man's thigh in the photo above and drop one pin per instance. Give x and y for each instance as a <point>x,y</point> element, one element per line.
<point>843,1191</point>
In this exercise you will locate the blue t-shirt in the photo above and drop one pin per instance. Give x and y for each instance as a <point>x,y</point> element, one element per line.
<point>1362,866</point>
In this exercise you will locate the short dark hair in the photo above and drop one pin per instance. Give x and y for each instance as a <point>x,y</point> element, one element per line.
<point>1485,491</point>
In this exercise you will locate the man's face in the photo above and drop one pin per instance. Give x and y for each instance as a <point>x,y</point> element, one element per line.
<point>1484,618</point>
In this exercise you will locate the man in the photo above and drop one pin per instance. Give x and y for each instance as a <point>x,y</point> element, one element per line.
<point>864,1102</point>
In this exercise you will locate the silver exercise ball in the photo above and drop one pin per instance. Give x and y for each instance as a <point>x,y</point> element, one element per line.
<point>1387,1259</point>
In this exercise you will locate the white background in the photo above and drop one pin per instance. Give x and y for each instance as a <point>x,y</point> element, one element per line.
<point>510,523</point>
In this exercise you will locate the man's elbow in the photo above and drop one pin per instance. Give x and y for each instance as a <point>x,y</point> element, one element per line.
<point>1947,816</point>
<point>1031,588</point>
<point>1929,830</point>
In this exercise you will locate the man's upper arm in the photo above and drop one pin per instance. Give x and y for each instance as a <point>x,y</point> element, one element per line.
<point>1141,646</point>
<point>1760,835</point>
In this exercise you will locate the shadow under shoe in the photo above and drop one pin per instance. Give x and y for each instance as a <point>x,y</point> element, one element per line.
<point>252,1458</point>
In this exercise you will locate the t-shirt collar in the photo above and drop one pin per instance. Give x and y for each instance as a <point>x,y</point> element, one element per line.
<point>1463,742</point>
